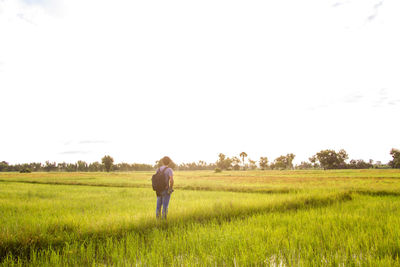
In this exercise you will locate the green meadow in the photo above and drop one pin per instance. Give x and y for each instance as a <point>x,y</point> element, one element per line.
<point>233,218</point>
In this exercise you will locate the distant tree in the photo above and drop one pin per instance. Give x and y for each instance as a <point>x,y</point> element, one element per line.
<point>304,165</point>
<point>235,163</point>
<point>280,163</point>
<point>243,155</point>
<point>50,166</point>
<point>284,162</point>
<point>142,167</point>
<point>4,166</point>
<point>107,162</point>
<point>359,164</point>
<point>289,159</point>
<point>223,162</point>
<point>263,163</point>
<point>220,161</point>
<point>200,165</point>
<point>95,167</point>
<point>35,166</point>
<point>205,166</point>
<point>228,164</point>
<point>379,165</point>
<point>25,170</point>
<point>330,159</point>
<point>82,166</point>
<point>71,167</point>
<point>123,166</point>
<point>395,163</point>
<point>16,167</point>
<point>252,164</point>
<point>314,161</point>
<point>62,166</point>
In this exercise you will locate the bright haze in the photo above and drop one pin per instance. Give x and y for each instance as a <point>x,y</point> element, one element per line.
<point>191,79</point>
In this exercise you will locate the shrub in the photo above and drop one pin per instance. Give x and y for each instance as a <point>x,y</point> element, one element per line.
<point>25,170</point>
<point>218,170</point>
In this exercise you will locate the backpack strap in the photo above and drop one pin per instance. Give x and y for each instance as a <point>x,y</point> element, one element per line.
<point>163,171</point>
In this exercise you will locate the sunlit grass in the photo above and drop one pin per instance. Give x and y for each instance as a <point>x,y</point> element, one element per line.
<point>234,218</point>
<point>235,181</point>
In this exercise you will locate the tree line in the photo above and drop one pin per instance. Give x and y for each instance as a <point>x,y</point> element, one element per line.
<point>324,159</point>
<point>106,164</point>
<point>327,159</point>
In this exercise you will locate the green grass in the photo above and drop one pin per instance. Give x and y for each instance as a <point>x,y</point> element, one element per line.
<point>273,218</point>
<point>234,181</point>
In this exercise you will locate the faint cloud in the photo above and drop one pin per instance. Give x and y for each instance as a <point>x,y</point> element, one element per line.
<point>375,11</point>
<point>337,4</point>
<point>384,99</point>
<point>357,11</point>
<point>353,98</point>
<point>24,18</point>
<point>85,142</point>
<point>373,99</point>
<point>30,7</point>
<point>313,108</point>
<point>36,2</point>
<point>93,142</point>
<point>71,152</point>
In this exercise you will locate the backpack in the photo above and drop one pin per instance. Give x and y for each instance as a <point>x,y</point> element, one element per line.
<point>158,181</point>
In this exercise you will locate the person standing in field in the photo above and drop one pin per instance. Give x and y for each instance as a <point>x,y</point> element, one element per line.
<point>164,196</point>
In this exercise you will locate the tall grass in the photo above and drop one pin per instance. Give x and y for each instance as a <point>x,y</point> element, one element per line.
<point>358,233</point>
<point>42,215</point>
<point>308,225</point>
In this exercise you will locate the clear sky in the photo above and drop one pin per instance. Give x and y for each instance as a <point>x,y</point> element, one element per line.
<point>190,79</point>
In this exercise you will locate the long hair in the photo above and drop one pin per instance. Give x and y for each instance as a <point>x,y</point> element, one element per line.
<point>166,160</point>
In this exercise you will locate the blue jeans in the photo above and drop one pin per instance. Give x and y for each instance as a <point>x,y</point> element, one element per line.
<point>163,200</point>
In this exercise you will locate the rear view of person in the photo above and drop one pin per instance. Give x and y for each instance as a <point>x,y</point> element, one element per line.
<point>164,195</point>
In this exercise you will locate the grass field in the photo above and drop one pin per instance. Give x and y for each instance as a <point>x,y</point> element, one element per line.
<point>267,218</point>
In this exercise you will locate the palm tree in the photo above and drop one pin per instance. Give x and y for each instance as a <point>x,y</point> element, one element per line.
<point>243,155</point>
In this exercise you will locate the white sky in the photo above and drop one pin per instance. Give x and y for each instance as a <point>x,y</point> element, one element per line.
<point>190,79</point>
